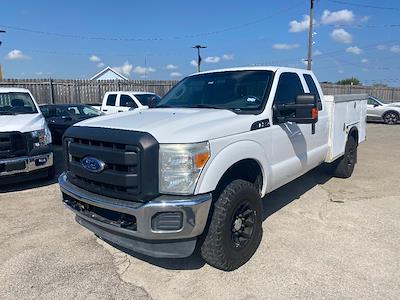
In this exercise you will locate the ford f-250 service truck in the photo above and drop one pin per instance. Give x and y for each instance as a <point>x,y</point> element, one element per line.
<point>25,139</point>
<point>194,169</point>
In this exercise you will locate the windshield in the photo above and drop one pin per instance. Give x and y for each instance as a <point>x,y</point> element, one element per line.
<point>150,100</point>
<point>234,90</point>
<point>78,111</point>
<point>16,103</point>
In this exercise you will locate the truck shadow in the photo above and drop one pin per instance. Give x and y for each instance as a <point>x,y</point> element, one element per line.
<point>272,203</point>
<point>35,183</point>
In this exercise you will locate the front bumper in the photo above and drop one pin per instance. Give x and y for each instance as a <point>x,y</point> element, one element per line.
<point>140,237</point>
<point>25,164</point>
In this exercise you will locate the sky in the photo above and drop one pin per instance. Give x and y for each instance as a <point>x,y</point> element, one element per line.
<point>154,39</point>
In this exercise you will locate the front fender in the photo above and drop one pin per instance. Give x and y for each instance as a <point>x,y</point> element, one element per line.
<point>226,158</point>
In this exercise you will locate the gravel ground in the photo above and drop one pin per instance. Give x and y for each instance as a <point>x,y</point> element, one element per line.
<point>323,238</point>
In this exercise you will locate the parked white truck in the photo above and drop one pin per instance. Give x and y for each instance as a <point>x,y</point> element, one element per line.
<point>116,102</point>
<point>25,139</point>
<point>194,170</point>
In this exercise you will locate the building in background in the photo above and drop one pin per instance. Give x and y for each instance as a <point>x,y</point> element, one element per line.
<point>108,74</point>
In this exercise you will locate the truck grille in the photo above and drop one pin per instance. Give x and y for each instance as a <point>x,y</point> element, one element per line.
<point>130,158</point>
<point>12,144</point>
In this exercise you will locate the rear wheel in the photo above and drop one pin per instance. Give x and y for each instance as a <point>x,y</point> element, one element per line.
<point>235,230</point>
<point>344,166</point>
<point>391,118</point>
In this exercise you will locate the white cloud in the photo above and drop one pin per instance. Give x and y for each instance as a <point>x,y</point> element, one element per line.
<point>193,63</point>
<point>317,53</point>
<point>364,60</point>
<point>175,74</point>
<point>94,58</point>
<point>395,49</point>
<point>212,59</point>
<point>39,73</point>
<point>381,47</point>
<point>344,16</point>
<point>365,19</point>
<point>341,36</point>
<point>299,26</point>
<point>125,69</point>
<point>228,57</point>
<point>171,67</point>
<point>100,65</point>
<point>340,71</point>
<point>143,70</point>
<point>354,50</point>
<point>16,55</point>
<point>285,46</point>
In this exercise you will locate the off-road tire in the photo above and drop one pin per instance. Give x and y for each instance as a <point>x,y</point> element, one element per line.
<point>344,166</point>
<point>391,118</point>
<point>218,248</point>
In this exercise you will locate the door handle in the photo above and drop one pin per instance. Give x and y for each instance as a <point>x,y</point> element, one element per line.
<point>120,111</point>
<point>105,109</point>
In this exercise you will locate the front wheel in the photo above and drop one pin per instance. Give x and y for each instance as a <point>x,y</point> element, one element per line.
<point>391,118</point>
<point>235,230</point>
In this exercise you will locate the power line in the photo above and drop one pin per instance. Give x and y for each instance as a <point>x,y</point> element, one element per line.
<point>136,39</point>
<point>365,5</point>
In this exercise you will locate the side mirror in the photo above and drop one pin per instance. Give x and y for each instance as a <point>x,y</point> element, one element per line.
<point>303,111</point>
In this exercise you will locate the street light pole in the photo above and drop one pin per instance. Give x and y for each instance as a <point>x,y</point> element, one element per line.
<point>1,72</point>
<point>198,47</point>
<point>310,36</point>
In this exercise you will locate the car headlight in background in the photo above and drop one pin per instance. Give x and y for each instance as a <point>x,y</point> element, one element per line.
<point>180,166</point>
<point>41,137</point>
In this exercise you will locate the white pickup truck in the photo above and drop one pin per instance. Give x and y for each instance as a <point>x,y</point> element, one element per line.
<point>115,102</point>
<point>25,139</point>
<point>193,170</point>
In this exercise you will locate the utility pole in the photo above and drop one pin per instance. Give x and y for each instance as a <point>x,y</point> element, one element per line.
<point>198,47</point>
<point>310,36</point>
<point>1,71</point>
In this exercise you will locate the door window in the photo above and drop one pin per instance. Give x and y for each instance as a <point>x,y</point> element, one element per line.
<point>111,100</point>
<point>127,101</point>
<point>289,87</point>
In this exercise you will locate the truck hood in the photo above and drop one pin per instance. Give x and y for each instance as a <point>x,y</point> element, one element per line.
<point>177,125</point>
<point>22,122</point>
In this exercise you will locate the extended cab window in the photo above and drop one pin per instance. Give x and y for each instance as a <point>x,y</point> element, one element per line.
<point>127,101</point>
<point>313,89</point>
<point>111,100</point>
<point>289,87</point>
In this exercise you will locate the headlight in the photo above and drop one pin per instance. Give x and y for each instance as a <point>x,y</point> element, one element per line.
<point>41,137</point>
<point>180,167</point>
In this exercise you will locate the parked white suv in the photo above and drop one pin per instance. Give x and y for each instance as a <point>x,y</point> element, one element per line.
<point>379,111</point>
<point>194,170</point>
<point>25,139</point>
<point>115,102</point>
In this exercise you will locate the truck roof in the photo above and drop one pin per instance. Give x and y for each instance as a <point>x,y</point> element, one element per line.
<point>255,68</point>
<point>13,90</point>
<point>132,92</point>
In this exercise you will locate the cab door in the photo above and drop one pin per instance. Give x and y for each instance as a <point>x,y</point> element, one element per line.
<point>125,103</point>
<point>109,105</point>
<point>292,144</point>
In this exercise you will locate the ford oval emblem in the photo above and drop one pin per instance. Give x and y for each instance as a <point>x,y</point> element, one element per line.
<point>92,164</point>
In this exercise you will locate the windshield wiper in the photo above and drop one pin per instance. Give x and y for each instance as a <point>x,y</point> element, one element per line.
<point>9,113</point>
<point>205,106</point>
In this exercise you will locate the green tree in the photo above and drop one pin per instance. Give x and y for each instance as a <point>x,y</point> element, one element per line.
<point>349,81</point>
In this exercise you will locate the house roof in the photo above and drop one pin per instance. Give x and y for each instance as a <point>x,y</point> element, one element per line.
<point>105,71</point>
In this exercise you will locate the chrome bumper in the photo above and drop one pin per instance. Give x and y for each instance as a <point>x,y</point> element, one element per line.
<point>194,210</point>
<point>25,164</point>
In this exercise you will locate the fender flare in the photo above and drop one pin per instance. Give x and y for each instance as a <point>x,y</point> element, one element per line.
<point>226,158</point>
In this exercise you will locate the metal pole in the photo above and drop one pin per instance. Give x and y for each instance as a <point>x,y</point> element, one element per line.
<point>198,61</point>
<point>1,71</point>
<point>310,36</point>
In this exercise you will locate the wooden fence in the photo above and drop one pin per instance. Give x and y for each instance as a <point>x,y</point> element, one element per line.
<point>86,91</point>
